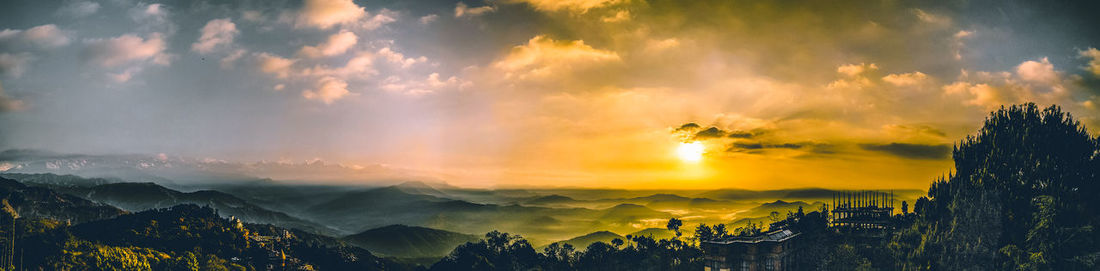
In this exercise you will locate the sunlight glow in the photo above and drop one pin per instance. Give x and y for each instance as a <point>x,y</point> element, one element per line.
<point>690,152</point>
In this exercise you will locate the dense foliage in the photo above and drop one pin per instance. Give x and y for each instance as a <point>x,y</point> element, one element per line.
<point>502,251</point>
<point>185,237</point>
<point>1024,196</point>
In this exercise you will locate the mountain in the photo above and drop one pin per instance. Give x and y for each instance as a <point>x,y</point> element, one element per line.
<point>36,202</point>
<point>416,187</point>
<point>627,212</point>
<point>582,242</point>
<point>53,180</point>
<point>409,241</point>
<point>782,207</point>
<point>145,196</point>
<point>194,229</point>
<point>175,171</point>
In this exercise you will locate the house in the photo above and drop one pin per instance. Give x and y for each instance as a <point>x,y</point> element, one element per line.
<point>774,250</point>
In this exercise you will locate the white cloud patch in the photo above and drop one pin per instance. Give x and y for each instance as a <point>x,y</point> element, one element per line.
<point>905,79</point>
<point>433,83</point>
<point>126,49</point>
<point>1093,55</point>
<point>14,65</point>
<point>856,69</point>
<point>328,90</point>
<point>462,10</point>
<point>361,66</point>
<point>216,34</point>
<point>337,44</point>
<point>542,57</point>
<point>78,9</point>
<point>398,58</point>
<point>383,17</point>
<point>327,13</point>
<point>273,64</point>
<point>428,19</point>
<point>43,36</point>
<point>1037,71</point>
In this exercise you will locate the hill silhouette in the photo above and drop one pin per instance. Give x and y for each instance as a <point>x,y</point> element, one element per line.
<point>409,241</point>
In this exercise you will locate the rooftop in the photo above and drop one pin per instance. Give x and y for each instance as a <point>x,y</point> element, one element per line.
<point>773,236</point>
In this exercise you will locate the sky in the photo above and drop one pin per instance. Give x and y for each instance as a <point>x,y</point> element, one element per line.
<point>539,93</point>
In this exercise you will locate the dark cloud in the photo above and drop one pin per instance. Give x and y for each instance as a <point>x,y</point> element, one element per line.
<point>912,151</point>
<point>715,132</point>
<point>757,146</point>
<point>811,149</point>
<point>712,132</point>
<point>690,126</point>
<point>741,134</point>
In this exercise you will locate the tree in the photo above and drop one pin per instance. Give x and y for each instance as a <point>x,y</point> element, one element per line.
<point>674,225</point>
<point>1022,195</point>
<point>704,232</point>
<point>774,217</point>
<point>617,242</point>
<point>904,208</point>
<point>720,231</point>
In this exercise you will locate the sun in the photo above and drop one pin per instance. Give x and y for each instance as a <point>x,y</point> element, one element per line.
<point>690,152</point>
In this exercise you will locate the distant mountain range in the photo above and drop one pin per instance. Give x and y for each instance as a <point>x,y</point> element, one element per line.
<point>36,202</point>
<point>146,196</point>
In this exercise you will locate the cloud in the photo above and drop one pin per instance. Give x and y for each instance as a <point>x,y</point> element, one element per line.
<point>712,132</point>
<point>228,61</point>
<point>692,131</point>
<point>152,18</point>
<point>572,5</point>
<point>126,49</point>
<point>361,66</point>
<point>399,58</point>
<point>1094,60</point>
<point>856,69</point>
<point>337,44</point>
<point>905,79</point>
<point>9,104</point>
<point>14,65</point>
<point>912,151</point>
<point>328,90</point>
<point>218,32</point>
<point>273,64</point>
<point>327,13</point>
<point>427,19</point>
<point>78,9</point>
<point>461,10</point>
<point>619,16</point>
<point>933,19</point>
<point>431,84</point>
<point>982,94</point>
<point>543,57</point>
<point>759,146</point>
<point>378,20</point>
<point>687,127</point>
<point>43,36</point>
<point>1037,71</point>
